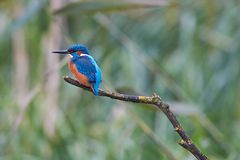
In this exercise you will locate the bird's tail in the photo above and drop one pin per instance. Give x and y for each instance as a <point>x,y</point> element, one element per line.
<point>95,89</point>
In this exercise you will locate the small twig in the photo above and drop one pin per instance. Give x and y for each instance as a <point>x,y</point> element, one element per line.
<point>155,100</point>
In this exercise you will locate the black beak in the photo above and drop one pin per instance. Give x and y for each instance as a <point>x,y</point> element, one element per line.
<point>61,52</point>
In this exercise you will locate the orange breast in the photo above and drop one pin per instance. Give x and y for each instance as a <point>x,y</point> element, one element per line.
<point>80,77</point>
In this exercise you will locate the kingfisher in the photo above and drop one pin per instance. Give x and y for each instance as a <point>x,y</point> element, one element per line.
<point>83,66</point>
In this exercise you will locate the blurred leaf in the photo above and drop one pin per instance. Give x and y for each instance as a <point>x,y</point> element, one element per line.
<point>92,7</point>
<point>30,10</point>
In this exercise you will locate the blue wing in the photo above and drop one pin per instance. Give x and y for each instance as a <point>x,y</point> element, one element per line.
<point>87,67</point>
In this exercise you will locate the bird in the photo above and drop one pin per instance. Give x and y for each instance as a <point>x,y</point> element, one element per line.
<point>83,66</point>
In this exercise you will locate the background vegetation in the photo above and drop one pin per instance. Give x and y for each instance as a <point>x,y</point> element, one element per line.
<point>187,51</point>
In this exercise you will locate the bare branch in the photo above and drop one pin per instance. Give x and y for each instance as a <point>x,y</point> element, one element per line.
<point>155,100</point>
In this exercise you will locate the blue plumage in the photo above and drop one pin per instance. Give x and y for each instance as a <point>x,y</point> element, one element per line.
<point>87,66</point>
<point>78,47</point>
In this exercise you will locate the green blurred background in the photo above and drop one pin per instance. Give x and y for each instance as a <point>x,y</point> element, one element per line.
<point>186,51</point>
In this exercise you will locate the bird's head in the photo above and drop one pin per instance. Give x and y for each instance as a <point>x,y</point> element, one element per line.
<point>76,49</point>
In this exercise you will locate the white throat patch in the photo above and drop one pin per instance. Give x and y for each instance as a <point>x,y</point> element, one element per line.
<point>84,54</point>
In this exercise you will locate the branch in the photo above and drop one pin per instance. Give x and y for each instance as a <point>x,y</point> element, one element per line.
<point>155,100</point>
